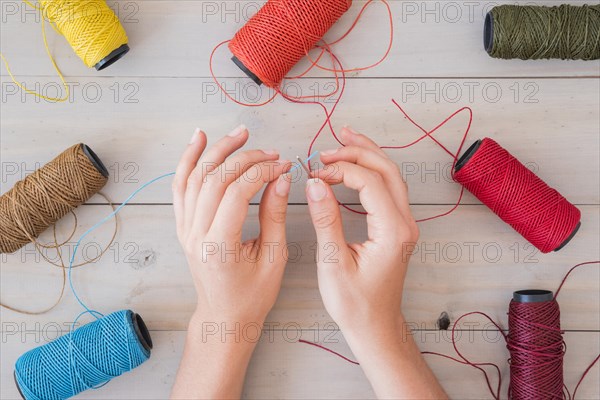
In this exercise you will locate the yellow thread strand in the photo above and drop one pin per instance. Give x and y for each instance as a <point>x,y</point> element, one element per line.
<point>60,75</point>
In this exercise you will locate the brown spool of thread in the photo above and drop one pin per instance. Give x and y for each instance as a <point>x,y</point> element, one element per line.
<point>42,198</point>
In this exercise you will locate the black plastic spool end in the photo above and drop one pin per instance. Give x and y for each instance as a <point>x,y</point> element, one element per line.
<point>95,160</point>
<point>113,57</point>
<point>488,33</point>
<point>141,330</point>
<point>532,296</point>
<point>571,236</point>
<point>464,159</point>
<point>250,74</point>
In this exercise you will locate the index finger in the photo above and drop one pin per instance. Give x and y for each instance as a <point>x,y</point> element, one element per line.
<point>384,220</point>
<point>384,166</point>
<point>186,165</point>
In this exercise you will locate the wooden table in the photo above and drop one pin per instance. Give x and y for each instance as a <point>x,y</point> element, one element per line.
<point>139,114</point>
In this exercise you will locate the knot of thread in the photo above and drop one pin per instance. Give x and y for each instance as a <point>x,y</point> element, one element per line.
<point>85,358</point>
<point>90,26</point>
<point>281,33</point>
<point>536,351</point>
<point>45,196</point>
<point>535,32</point>
<point>518,196</point>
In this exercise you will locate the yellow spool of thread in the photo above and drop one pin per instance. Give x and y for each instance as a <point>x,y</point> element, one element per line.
<point>91,28</point>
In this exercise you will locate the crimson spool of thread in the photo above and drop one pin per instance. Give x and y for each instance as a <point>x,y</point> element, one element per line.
<point>536,346</point>
<point>518,196</point>
<point>276,38</point>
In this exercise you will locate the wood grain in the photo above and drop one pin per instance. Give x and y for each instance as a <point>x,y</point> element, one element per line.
<point>454,270</point>
<point>283,368</point>
<point>139,114</point>
<point>551,126</point>
<point>175,38</point>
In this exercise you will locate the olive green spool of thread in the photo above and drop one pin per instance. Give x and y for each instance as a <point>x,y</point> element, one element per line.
<point>536,32</point>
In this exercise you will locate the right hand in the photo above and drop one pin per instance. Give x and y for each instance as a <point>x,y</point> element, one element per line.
<point>361,284</point>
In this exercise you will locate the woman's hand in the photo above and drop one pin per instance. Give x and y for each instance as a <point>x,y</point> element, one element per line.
<point>237,282</point>
<point>361,284</point>
<point>364,287</point>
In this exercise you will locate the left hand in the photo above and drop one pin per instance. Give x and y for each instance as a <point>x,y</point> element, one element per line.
<point>236,282</point>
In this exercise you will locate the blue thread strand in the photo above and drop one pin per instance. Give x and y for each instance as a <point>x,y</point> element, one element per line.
<point>87,357</point>
<point>98,224</point>
<point>297,165</point>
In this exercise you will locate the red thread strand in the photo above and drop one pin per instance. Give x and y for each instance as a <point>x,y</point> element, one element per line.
<point>328,350</point>
<point>263,47</point>
<point>281,34</point>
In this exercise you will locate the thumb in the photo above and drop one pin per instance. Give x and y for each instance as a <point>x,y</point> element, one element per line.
<point>325,214</point>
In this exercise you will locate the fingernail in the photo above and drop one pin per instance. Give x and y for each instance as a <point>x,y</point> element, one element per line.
<point>195,135</point>
<point>270,152</point>
<point>329,152</point>
<point>349,129</point>
<point>237,131</point>
<point>316,189</point>
<point>282,188</point>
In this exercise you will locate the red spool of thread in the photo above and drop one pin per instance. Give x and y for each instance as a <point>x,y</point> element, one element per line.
<point>518,196</point>
<point>280,34</point>
<point>536,346</point>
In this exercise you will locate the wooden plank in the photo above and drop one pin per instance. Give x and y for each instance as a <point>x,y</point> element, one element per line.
<point>175,38</point>
<point>283,368</point>
<point>139,127</point>
<point>454,269</point>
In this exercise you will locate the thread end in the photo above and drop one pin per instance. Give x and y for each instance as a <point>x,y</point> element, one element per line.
<point>113,57</point>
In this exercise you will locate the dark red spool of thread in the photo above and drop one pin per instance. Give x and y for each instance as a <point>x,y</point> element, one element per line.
<point>280,34</point>
<point>518,196</point>
<point>536,346</point>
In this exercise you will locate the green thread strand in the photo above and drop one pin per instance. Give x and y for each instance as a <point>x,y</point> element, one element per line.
<point>537,32</point>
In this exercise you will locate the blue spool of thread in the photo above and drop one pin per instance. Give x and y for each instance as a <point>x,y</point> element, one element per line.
<point>85,358</point>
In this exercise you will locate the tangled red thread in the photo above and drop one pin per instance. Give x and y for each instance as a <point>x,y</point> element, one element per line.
<point>536,346</point>
<point>284,31</point>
